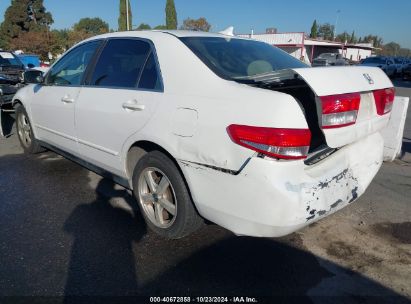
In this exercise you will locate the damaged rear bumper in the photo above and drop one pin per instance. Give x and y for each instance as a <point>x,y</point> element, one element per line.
<point>272,198</point>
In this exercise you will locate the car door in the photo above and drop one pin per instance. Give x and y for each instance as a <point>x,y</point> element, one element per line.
<point>53,103</point>
<point>117,101</point>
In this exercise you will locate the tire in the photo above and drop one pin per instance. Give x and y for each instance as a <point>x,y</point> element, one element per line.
<point>168,211</point>
<point>25,132</point>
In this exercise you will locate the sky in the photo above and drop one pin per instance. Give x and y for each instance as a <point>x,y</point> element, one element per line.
<point>389,19</point>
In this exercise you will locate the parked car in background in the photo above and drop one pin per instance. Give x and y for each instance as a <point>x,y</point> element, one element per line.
<point>11,79</point>
<point>202,125</point>
<point>399,64</point>
<point>406,71</point>
<point>329,59</point>
<point>30,61</point>
<point>384,63</point>
<point>11,75</point>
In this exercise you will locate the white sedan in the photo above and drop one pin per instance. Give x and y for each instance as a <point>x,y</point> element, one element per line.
<point>206,126</point>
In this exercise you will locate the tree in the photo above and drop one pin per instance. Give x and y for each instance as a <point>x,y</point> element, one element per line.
<point>343,37</point>
<point>171,15</point>
<point>61,41</point>
<point>314,30</point>
<point>403,52</point>
<point>93,26</point>
<point>24,16</point>
<point>326,31</point>
<point>199,24</point>
<point>32,42</point>
<point>143,26</point>
<point>391,49</point>
<point>122,19</point>
<point>375,40</point>
<point>160,27</point>
<point>353,39</point>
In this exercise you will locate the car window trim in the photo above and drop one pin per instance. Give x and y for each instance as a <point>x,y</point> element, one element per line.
<point>136,88</point>
<point>66,54</point>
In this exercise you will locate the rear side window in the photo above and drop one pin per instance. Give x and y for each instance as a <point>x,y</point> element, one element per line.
<point>149,78</point>
<point>120,63</point>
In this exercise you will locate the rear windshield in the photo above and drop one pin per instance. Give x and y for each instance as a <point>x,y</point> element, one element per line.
<point>374,60</point>
<point>232,58</point>
<point>8,59</point>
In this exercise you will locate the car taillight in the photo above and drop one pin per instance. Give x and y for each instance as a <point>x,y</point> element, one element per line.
<point>340,110</point>
<point>384,100</point>
<point>273,142</point>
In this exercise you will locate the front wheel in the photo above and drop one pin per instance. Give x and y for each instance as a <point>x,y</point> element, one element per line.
<point>163,197</point>
<point>25,132</point>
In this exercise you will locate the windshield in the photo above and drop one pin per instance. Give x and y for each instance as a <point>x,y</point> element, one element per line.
<point>8,59</point>
<point>232,58</point>
<point>374,60</point>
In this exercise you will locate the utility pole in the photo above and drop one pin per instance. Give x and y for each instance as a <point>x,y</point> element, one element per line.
<point>336,23</point>
<point>128,21</point>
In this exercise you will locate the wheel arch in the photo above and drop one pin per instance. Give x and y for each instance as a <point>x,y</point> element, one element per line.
<point>138,149</point>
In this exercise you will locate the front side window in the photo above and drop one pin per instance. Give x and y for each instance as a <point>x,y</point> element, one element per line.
<point>70,69</point>
<point>233,58</point>
<point>120,63</point>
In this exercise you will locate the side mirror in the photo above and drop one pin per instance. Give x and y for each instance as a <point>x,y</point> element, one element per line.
<point>33,76</point>
<point>30,65</point>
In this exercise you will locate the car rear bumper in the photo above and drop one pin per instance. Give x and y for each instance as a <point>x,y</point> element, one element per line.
<point>271,198</point>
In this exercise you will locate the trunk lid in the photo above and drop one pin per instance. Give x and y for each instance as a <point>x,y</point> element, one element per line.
<point>345,80</point>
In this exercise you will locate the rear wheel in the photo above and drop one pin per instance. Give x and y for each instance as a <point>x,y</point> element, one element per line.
<point>163,197</point>
<point>25,132</point>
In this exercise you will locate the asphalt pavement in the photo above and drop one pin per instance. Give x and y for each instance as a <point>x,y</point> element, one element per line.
<point>64,231</point>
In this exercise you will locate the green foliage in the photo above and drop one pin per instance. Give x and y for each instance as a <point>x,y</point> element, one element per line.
<point>25,16</point>
<point>122,19</point>
<point>326,31</point>
<point>343,37</point>
<point>143,26</point>
<point>171,15</point>
<point>200,24</point>
<point>94,26</point>
<point>375,40</point>
<point>61,41</point>
<point>353,39</point>
<point>391,49</point>
<point>314,30</point>
<point>160,27</point>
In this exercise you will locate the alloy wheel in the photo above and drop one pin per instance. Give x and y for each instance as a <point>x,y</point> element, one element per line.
<point>157,197</point>
<point>24,130</point>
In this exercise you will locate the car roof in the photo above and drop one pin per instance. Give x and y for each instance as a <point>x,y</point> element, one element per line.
<point>158,33</point>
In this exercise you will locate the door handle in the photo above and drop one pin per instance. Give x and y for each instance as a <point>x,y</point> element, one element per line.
<point>133,106</point>
<point>67,99</point>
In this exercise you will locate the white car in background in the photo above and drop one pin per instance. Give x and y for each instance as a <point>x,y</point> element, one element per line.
<point>203,125</point>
